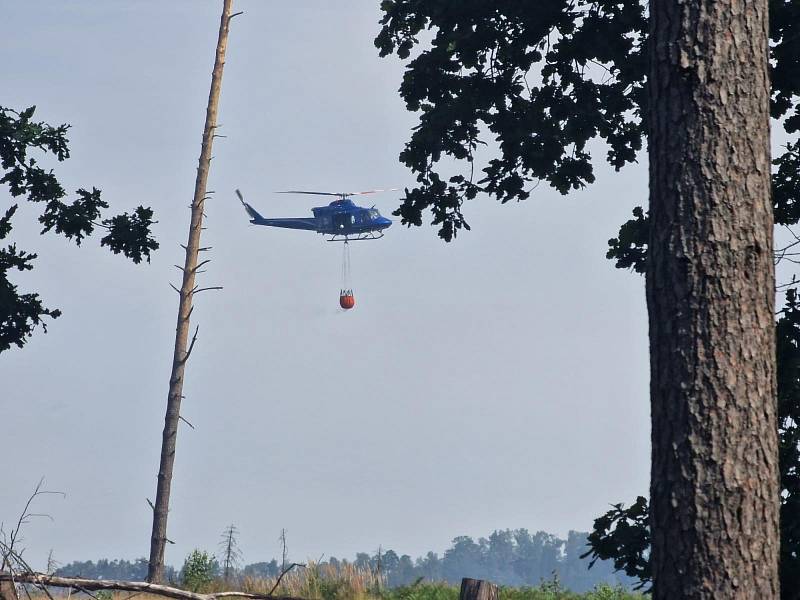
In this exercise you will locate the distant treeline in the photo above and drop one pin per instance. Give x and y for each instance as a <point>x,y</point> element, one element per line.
<point>126,570</point>
<point>507,557</point>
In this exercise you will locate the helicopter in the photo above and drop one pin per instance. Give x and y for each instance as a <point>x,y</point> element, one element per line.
<point>342,219</point>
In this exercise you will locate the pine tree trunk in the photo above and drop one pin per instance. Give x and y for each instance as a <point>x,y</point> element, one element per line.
<point>710,296</point>
<point>158,538</point>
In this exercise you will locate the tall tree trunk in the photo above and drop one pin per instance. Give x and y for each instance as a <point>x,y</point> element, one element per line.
<point>158,538</point>
<point>710,297</point>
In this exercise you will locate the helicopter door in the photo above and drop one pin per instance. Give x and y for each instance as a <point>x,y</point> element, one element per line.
<point>341,221</point>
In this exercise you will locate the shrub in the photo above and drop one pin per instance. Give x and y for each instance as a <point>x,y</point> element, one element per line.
<point>199,570</point>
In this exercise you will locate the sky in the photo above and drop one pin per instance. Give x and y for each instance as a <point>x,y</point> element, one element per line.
<point>499,381</point>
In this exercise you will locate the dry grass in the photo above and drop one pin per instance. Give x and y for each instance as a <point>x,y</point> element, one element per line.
<point>320,582</point>
<point>348,582</point>
<point>313,582</point>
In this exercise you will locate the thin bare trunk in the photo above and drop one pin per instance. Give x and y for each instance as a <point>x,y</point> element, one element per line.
<point>188,289</point>
<point>710,296</point>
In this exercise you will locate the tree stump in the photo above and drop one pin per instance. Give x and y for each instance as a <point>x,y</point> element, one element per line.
<point>477,589</point>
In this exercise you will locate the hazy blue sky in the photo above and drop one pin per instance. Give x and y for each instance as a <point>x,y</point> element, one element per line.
<point>498,381</point>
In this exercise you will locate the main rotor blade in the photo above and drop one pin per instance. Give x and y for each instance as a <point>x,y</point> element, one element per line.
<point>238,193</point>
<point>373,192</point>
<point>338,194</point>
<point>312,193</point>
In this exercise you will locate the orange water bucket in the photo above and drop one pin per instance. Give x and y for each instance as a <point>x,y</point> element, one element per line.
<point>346,299</point>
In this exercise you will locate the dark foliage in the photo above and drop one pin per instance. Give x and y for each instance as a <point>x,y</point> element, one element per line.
<point>788,375</point>
<point>786,186</point>
<point>539,84</point>
<point>623,536</point>
<point>630,248</point>
<point>19,313</point>
<point>784,33</point>
<point>130,234</point>
<point>76,220</point>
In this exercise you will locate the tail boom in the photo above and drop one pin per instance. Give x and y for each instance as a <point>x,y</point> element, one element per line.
<point>257,219</point>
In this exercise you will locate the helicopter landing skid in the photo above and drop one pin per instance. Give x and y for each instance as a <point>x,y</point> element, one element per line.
<point>370,235</point>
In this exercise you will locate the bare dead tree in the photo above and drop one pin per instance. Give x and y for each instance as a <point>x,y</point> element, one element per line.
<point>9,541</point>
<point>231,553</point>
<point>11,559</point>
<point>52,563</point>
<point>282,540</point>
<point>285,568</point>
<point>188,290</point>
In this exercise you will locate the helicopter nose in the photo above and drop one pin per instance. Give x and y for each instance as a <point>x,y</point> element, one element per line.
<point>385,222</point>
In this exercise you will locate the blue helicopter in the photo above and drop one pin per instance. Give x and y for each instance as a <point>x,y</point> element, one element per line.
<point>341,219</point>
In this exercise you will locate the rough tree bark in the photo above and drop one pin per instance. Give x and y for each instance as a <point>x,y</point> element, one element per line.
<point>188,290</point>
<point>710,297</point>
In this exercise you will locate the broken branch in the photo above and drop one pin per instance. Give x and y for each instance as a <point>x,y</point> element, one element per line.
<point>191,344</point>
<point>284,572</point>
